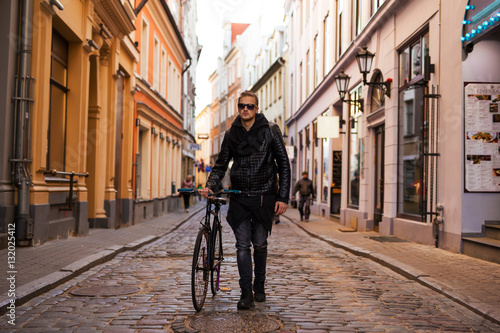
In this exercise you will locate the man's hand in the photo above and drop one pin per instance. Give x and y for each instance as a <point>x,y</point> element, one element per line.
<point>280,207</point>
<point>205,192</point>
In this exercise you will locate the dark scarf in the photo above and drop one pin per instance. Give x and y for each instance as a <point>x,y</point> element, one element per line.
<point>245,143</point>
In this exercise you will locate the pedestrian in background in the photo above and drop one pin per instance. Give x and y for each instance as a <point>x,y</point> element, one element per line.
<point>306,190</point>
<point>187,183</point>
<point>259,155</point>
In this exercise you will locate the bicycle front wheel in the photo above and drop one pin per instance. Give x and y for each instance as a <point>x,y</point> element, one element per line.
<point>200,270</point>
<point>216,257</point>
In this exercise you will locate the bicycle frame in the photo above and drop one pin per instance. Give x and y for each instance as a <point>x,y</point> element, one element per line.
<point>211,232</point>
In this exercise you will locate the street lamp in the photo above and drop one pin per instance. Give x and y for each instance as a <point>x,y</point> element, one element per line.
<point>342,81</point>
<point>365,60</point>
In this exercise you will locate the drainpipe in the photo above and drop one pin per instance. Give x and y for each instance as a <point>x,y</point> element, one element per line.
<point>22,107</point>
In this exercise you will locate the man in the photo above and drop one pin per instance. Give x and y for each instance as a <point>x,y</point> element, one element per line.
<point>259,155</point>
<point>305,189</point>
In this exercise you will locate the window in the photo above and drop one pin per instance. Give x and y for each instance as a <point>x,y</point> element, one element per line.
<point>156,64</point>
<point>339,27</point>
<point>356,18</point>
<point>326,45</point>
<point>308,72</point>
<point>275,93</point>
<point>376,5</point>
<point>223,116</point>
<point>163,71</point>
<point>325,172</point>
<point>301,84</point>
<point>316,61</point>
<point>271,91</point>
<point>354,148</point>
<point>58,103</point>
<point>412,137</point>
<point>378,96</point>
<point>280,87</point>
<point>144,49</point>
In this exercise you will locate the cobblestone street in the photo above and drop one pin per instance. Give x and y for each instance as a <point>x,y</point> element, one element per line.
<point>311,287</point>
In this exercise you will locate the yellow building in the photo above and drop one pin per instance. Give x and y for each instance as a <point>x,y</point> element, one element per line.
<point>77,113</point>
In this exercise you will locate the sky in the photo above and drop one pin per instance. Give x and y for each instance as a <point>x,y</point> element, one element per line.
<point>211,14</point>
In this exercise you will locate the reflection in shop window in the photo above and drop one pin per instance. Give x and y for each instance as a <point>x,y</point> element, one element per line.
<point>411,187</point>
<point>354,149</point>
<point>325,171</point>
<point>410,154</point>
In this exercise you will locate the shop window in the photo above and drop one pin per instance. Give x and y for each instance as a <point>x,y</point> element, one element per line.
<point>58,103</point>
<point>354,147</point>
<point>412,131</point>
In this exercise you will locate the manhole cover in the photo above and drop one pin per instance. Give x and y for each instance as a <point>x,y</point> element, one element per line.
<point>233,322</point>
<point>387,239</point>
<point>105,291</point>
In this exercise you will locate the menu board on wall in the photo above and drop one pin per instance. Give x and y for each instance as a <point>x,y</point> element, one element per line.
<point>482,131</point>
<point>337,169</point>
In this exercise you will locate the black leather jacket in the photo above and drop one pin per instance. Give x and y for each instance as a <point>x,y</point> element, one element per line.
<point>258,155</point>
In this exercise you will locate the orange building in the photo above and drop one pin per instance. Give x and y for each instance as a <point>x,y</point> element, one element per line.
<point>158,130</point>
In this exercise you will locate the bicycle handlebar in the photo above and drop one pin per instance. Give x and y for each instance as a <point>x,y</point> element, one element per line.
<point>194,190</point>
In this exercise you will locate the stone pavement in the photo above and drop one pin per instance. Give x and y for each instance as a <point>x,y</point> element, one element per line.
<point>471,282</point>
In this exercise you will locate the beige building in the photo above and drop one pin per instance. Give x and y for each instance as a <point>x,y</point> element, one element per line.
<point>203,126</point>
<point>404,159</point>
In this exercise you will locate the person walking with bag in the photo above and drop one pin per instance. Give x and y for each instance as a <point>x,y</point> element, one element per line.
<point>306,190</point>
<point>261,170</point>
<point>187,183</point>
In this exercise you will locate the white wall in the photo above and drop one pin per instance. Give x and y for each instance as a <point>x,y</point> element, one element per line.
<point>481,65</point>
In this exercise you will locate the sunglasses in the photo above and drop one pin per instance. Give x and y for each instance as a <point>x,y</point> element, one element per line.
<point>250,107</point>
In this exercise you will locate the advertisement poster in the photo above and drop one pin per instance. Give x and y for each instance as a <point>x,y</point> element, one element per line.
<point>482,131</point>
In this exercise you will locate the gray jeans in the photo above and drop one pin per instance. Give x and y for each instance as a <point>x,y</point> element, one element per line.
<point>251,232</point>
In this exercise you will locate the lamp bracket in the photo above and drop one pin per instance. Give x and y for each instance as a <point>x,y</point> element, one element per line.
<point>358,102</point>
<point>384,86</point>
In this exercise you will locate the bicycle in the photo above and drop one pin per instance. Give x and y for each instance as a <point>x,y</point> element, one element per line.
<point>208,253</point>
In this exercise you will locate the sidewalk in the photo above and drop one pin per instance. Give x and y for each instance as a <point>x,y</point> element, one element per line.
<point>471,282</point>
<point>41,268</point>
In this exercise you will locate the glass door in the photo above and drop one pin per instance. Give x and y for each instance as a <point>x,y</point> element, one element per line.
<point>379,175</point>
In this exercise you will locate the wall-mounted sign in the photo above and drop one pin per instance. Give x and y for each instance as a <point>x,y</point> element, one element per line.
<point>481,16</point>
<point>328,127</point>
<point>194,146</point>
<point>482,131</point>
<point>202,136</point>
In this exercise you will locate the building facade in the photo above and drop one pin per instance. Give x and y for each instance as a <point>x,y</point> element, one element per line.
<point>188,31</point>
<point>401,163</point>
<point>159,128</point>
<point>75,65</point>
<point>226,86</point>
<point>92,132</point>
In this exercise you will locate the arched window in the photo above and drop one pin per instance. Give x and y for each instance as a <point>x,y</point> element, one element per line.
<point>377,95</point>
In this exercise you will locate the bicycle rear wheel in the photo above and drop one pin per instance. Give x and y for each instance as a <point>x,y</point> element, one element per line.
<point>200,270</point>
<point>216,256</point>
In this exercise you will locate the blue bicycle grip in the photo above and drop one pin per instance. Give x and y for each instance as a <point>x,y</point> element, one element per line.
<point>232,191</point>
<point>185,190</point>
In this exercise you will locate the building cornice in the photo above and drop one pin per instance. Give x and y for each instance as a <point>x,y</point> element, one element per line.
<point>267,75</point>
<point>388,9</point>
